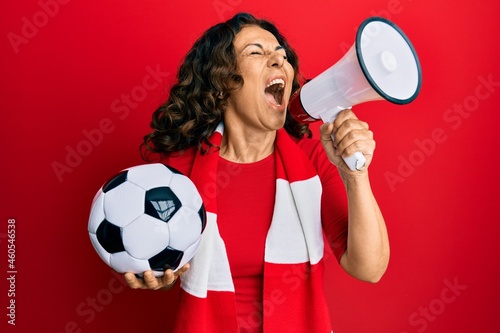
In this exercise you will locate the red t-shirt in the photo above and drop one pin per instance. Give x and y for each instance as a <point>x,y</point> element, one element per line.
<point>244,210</point>
<point>245,202</point>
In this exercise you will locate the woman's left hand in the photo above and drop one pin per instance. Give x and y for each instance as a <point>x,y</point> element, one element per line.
<point>350,135</point>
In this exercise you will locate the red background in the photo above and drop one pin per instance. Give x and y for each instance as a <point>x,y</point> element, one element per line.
<point>66,70</point>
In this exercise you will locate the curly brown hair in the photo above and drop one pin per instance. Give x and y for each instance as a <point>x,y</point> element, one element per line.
<point>195,106</point>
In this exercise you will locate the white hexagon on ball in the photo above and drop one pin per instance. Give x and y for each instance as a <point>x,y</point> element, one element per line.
<point>149,176</point>
<point>97,212</point>
<point>185,228</point>
<point>155,231</point>
<point>123,204</point>
<point>186,191</point>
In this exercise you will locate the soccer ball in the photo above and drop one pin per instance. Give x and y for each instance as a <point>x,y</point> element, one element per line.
<point>147,217</point>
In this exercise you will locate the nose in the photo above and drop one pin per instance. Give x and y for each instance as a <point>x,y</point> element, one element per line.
<point>276,60</point>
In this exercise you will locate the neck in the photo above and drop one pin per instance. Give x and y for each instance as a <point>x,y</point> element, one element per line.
<point>246,147</point>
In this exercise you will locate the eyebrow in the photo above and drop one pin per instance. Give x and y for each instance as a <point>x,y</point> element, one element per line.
<point>277,48</point>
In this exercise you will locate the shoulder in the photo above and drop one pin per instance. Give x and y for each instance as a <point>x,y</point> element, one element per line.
<point>181,161</point>
<point>315,152</point>
<point>310,146</point>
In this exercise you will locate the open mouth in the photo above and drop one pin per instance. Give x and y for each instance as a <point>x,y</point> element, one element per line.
<point>274,91</point>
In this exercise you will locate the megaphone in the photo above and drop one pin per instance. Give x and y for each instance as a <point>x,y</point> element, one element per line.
<point>381,64</point>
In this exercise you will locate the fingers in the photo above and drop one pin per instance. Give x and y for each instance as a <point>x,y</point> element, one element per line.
<point>353,141</point>
<point>133,282</point>
<point>349,129</point>
<point>345,136</point>
<point>150,281</point>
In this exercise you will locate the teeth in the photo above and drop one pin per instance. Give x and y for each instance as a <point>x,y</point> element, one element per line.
<point>281,82</point>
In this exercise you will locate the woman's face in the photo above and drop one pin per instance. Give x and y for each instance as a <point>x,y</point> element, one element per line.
<point>261,102</point>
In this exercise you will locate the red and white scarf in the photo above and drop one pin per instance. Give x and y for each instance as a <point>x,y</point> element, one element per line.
<point>293,296</point>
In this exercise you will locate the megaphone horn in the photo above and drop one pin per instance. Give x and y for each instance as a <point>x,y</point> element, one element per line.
<point>381,64</point>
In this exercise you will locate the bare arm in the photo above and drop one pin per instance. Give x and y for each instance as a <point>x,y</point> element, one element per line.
<point>367,254</point>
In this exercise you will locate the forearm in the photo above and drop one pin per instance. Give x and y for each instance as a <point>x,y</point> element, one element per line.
<point>367,254</point>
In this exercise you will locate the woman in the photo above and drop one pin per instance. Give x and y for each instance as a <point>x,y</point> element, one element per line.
<point>273,194</point>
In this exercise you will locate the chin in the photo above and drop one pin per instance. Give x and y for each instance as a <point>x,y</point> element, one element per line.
<point>279,123</point>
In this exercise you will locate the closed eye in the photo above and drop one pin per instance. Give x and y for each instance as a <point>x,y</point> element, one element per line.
<point>260,50</point>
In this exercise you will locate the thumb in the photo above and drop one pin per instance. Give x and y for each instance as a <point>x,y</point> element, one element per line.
<point>182,270</point>
<point>326,131</point>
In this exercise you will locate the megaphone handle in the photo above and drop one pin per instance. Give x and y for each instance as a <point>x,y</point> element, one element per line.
<point>357,160</point>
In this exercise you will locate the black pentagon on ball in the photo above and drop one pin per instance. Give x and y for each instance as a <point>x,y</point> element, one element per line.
<point>115,181</point>
<point>110,237</point>
<point>168,258</point>
<point>203,217</point>
<point>161,203</point>
<point>173,170</point>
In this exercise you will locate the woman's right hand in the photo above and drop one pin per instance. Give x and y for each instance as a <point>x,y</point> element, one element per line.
<point>149,281</point>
